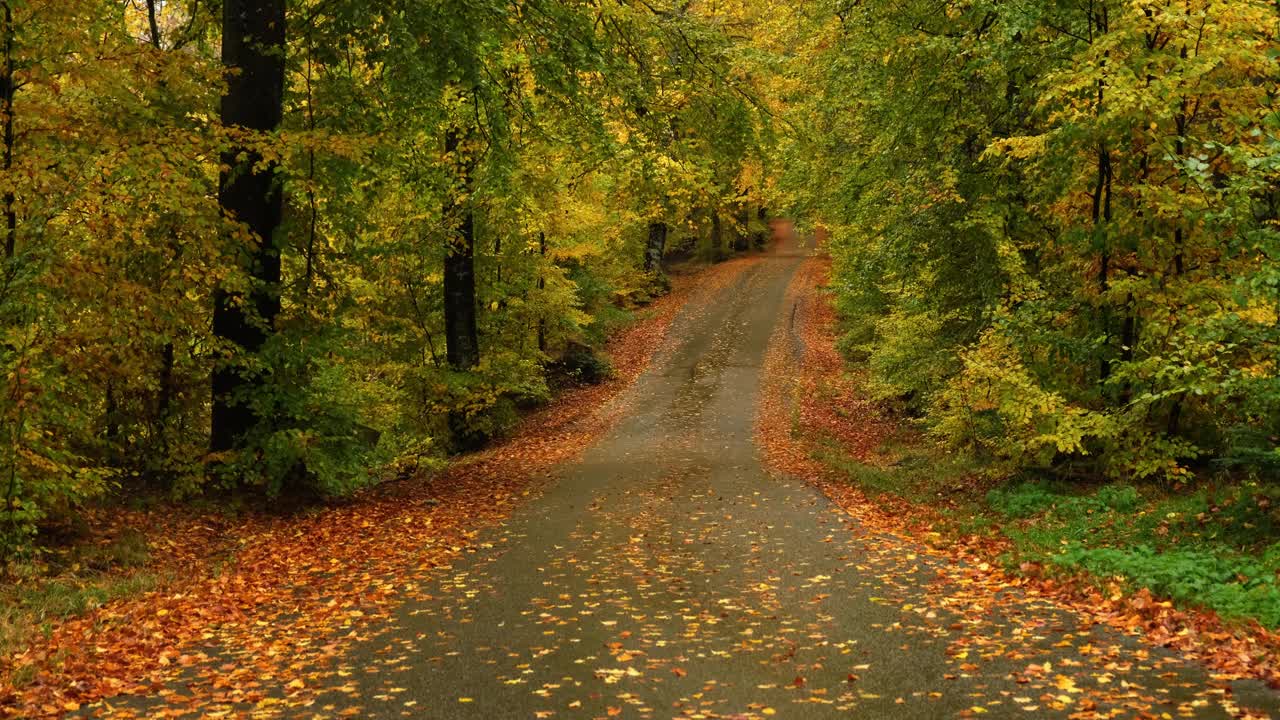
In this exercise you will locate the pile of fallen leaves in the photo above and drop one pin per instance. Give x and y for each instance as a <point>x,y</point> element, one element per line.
<point>296,591</point>
<point>812,398</point>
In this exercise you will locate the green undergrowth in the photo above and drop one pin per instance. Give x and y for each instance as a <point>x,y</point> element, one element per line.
<point>29,611</point>
<point>35,596</point>
<point>1213,545</point>
<point>72,574</point>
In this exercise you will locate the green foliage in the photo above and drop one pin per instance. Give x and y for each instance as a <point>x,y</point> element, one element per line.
<point>1207,548</point>
<point>1234,587</point>
<point>907,357</point>
<point>577,125</point>
<point>1054,225</point>
<point>1023,500</point>
<point>583,365</point>
<point>1211,548</point>
<point>1027,499</point>
<point>922,473</point>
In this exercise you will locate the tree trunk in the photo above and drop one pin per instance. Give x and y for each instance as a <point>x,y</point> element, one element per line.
<point>462,344</point>
<point>253,41</point>
<point>112,414</point>
<point>164,401</point>
<point>1183,121</point>
<point>741,241</point>
<point>1128,339</point>
<point>542,285</point>
<point>8,89</point>
<point>717,237</point>
<point>656,247</point>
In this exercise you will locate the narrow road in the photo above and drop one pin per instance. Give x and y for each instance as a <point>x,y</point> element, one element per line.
<point>669,575</point>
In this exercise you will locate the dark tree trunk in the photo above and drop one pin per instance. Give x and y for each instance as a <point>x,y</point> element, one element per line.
<point>656,247</point>
<point>112,415</point>
<point>542,285</point>
<point>717,237</point>
<point>462,344</point>
<point>253,41</point>
<point>1102,216</point>
<point>1128,338</point>
<point>741,242</point>
<point>8,89</point>
<point>164,401</point>
<point>1175,417</point>
<point>152,25</point>
<point>1183,121</point>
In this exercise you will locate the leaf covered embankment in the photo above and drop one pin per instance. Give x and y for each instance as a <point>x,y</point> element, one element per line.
<point>298,589</point>
<point>817,423</point>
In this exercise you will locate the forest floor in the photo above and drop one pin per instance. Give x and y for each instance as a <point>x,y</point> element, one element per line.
<point>643,549</point>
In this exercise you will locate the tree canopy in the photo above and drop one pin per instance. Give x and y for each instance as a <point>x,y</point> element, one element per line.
<point>280,245</point>
<point>377,229</point>
<point>1055,223</point>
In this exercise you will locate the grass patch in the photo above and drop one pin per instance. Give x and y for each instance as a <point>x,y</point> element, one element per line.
<point>1235,586</point>
<point>1213,546</point>
<point>1203,546</point>
<point>78,581</point>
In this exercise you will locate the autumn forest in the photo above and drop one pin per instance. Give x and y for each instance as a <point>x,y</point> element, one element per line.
<point>640,358</point>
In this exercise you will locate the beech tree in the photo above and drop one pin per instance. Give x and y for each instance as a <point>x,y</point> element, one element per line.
<point>253,53</point>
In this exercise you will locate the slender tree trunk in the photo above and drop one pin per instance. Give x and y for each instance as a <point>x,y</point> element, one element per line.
<point>462,343</point>
<point>542,285</point>
<point>1183,125</point>
<point>165,380</point>
<point>717,236</point>
<point>152,25</point>
<point>497,261</point>
<point>656,246</point>
<point>8,90</point>
<point>741,241</point>
<point>313,209</point>
<point>1102,216</point>
<point>112,415</point>
<point>253,42</point>
<point>164,401</point>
